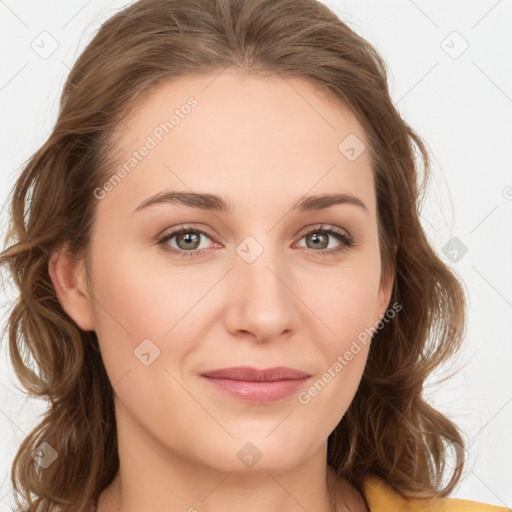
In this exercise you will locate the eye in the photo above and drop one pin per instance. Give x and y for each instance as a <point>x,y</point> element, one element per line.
<point>188,240</point>
<point>318,238</point>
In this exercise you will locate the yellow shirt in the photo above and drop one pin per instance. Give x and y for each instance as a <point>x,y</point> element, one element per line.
<point>381,498</point>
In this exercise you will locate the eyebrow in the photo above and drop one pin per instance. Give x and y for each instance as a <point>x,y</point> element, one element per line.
<point>220,204</point>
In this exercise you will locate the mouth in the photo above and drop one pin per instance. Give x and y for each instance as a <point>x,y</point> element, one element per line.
<point>257,386</point>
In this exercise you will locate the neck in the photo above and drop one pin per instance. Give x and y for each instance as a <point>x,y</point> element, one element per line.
<point>153,477</point>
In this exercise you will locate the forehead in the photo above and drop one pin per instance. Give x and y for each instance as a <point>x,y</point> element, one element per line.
<point>243,133</point>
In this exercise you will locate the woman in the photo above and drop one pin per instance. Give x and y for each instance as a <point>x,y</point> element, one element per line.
<point>278,362</point>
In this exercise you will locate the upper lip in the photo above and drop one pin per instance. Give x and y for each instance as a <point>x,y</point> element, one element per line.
<point>250,374</point>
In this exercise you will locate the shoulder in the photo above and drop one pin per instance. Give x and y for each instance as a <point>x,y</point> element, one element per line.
<point>381,498</point>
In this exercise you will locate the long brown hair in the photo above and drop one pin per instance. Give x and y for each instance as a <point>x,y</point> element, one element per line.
<point>389,430</point>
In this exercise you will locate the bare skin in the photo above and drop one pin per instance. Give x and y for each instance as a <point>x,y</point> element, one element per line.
<point>349,499</point>
<point>264,143</point>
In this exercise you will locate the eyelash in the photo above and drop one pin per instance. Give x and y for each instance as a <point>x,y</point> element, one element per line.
<point>346,239</point>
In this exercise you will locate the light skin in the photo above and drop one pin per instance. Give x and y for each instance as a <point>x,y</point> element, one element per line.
<point>263,143</point>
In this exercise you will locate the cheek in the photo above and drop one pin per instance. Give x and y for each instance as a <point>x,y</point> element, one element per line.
<point>349,315</point>
<point>346,308</point>
<point>343,300</point>
<point>139,299</point>
<point>353,310</point>
<point>134,302</point>
<point>143,296</point>
<point>342,311</point>
<point>142,320</point>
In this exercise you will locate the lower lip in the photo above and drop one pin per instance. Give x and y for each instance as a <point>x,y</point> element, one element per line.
<point>257,392</point>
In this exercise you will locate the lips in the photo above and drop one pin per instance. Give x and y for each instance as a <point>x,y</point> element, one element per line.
<point>257,386</point>
<point>250,374</point>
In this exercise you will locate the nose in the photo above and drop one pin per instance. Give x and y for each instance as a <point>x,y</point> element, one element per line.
<point>261,300</point>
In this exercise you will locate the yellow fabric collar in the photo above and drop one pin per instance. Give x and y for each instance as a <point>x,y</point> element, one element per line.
<point>382,498</point>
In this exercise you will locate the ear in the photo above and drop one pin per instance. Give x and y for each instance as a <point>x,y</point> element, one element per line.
<point>386,289</point>
<point>69,278</point>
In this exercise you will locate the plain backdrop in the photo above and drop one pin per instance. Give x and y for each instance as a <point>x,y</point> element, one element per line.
<point>450,76</point>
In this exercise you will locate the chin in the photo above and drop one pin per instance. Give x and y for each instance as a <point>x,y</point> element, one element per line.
<point>254,454</point>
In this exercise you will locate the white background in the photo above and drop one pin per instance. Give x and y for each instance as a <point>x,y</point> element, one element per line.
<point>460,103</point>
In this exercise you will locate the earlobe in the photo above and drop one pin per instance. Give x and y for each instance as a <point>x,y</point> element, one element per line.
<point>69,279</point>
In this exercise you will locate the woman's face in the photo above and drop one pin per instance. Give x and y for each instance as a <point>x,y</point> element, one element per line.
<point>256,283</point>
